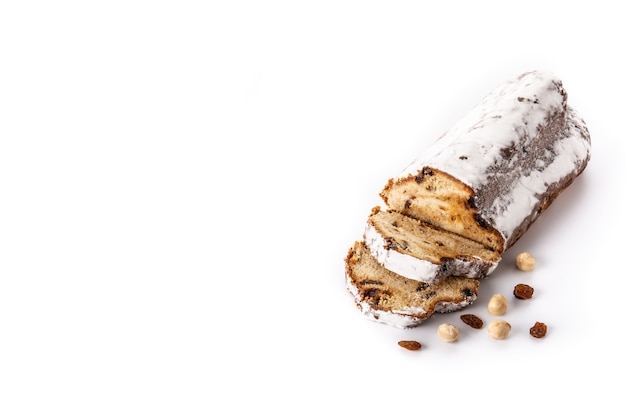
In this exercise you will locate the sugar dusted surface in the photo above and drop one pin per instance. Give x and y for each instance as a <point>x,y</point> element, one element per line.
<point>475,142</point>
<point>566,156</point>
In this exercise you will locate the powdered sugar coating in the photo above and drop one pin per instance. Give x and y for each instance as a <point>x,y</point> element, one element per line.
<point>567,155</point>
<point>509,114</point>
<point>448,307</point>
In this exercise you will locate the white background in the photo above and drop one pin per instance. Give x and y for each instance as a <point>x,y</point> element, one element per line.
<point>180,182</point>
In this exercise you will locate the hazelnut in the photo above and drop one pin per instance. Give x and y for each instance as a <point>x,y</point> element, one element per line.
<point>525,261</point>
<point>448,332</point>
<point>499,329</point>
<point>497,305</point>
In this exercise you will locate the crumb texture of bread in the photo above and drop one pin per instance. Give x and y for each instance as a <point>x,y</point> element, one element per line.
<point>387,297</point>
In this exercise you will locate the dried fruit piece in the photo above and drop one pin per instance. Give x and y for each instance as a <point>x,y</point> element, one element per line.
<point>410,344</point>
<point>539,330</point>
<point>499,329</point>
<point>523,291</point>
<point>525,261</point>
<point>472,321</point>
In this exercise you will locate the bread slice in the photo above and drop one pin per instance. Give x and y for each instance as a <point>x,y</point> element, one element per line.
<point>494,172</point>
<point>389,298</point>
<point>420,251</point>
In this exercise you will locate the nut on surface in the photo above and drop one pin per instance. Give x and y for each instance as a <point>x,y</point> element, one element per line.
<point>499,329</point>
<point>448,332</point>
<point>525,262</point>
<point>498,305</point>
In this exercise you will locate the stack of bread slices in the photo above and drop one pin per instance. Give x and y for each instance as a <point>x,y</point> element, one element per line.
<point>445,221</point>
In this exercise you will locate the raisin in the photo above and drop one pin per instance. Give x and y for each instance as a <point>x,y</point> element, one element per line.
<point>371,282</point>
<point>410,344</point>
<point>430,294</point>
<point>523,291</point>
<point>507,152</point>
<point>446,259</point>
<point>472,321</point>
<point>467,292</point>
<point>539,330</point>
<point>389,243</point>
<point>372,295</point>
<point>423,174</point>
<point>481,222</point>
